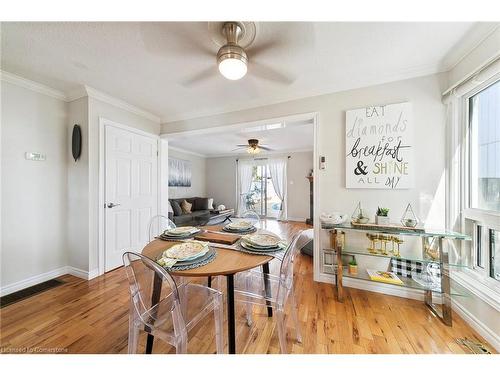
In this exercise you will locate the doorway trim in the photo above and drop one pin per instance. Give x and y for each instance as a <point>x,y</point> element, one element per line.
<point>103,123</point>
<point>314,116</point>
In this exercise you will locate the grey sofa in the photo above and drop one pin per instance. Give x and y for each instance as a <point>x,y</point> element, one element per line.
<point>198,209</point>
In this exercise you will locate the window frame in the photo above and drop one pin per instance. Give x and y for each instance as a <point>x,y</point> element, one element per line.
<point>486,219</point>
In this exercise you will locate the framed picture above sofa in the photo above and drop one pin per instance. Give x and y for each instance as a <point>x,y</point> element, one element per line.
<point>179,173</point>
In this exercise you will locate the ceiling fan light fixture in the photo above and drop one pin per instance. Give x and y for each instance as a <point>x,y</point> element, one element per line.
<point>253,150</point>
<point>233,68</point>
<point>231,58</point>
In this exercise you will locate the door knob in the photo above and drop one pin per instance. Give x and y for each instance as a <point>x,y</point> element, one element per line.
<point>111,205</point>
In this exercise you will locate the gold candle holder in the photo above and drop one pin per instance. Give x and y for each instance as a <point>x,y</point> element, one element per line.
<point>371,237</point>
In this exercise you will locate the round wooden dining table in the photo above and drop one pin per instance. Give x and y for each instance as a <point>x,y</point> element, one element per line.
<point>227,262</point>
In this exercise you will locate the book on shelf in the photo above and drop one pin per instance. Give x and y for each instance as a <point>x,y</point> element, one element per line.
<point>384,277</point>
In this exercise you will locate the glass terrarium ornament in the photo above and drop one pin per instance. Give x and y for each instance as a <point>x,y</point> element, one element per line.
<point>409,219</point>
<point>358,216</point>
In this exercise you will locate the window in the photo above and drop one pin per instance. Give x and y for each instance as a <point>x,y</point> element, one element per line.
<point>483,179</point>
<point>484,112</point>
<point>495,254</point>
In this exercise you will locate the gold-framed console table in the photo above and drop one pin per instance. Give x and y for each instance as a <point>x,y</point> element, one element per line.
<point>430,269</point>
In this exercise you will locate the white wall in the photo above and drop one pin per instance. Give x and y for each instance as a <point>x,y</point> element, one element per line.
<point>198,176</point>
<point>424,93</point>
<point>78,188</point>
<point>33,210</point>
<point>299,167</point>
<point>221,182</point>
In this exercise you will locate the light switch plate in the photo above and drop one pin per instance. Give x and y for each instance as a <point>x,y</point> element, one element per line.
<point>35,156</point>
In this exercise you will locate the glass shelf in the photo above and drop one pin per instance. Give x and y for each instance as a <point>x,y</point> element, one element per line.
<point>424,232</point>
<point>408,282</point>
<point>390,256</point>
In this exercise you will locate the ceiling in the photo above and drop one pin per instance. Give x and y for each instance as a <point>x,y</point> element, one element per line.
<point>281,136</point>
<point>150,65</point>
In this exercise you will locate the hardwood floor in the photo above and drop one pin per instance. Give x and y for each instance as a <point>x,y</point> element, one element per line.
<point>92,317</point>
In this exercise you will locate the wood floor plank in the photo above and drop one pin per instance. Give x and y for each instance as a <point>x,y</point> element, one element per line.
<point>92,317</point>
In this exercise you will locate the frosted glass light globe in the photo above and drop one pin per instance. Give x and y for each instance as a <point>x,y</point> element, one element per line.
<point>233,69</point>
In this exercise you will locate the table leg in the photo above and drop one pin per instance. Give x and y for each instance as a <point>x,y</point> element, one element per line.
<point>231,330</point>
<point>155,298</point>
<point>267,287</point>
<point>209,281</point>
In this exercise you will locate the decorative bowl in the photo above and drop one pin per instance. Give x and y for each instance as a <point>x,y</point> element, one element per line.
<point>333,218</point>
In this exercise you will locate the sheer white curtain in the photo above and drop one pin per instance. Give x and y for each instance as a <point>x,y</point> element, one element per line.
<point>277,169</point>
<point>245,168</point>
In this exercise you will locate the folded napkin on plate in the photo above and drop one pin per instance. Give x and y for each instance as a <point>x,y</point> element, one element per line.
<point>166,261</point>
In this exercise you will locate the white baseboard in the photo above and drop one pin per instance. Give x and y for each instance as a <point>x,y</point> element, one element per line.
<point>77,272</point>
<point>301,219</point>
<point>30,281</point>
<point>491,337</point>
<point>93,274</point>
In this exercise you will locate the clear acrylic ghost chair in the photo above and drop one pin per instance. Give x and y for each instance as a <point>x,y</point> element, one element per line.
<point>158,224</point>
<point>165,318</point>
<point>251,289</point>
<point>250,216</point>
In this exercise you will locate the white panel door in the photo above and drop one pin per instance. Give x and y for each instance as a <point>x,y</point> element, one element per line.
<point>131,192</point>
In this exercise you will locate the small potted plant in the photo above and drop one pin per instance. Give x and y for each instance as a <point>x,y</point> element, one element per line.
<point>382,217</point>
<point>353,266</point>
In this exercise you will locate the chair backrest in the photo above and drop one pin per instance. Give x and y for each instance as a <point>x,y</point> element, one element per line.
<point>251,216</point>
<point>145,277</point>
<point>286,270</point>
<point>158,224</point>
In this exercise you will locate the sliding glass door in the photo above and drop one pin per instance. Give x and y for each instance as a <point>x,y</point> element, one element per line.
<point>262,197</point>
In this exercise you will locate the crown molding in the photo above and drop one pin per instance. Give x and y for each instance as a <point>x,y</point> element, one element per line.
<point>472,40</point>
<point>96,94</point>
<point>78,93</point>
<point>32,85</point>
<point>186,151</point>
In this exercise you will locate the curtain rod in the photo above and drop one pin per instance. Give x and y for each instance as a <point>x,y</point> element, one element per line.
<point>288,157</point>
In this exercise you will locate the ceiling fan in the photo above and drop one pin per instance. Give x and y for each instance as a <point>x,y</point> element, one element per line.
<point>253,147</point>
<point>235,57</point>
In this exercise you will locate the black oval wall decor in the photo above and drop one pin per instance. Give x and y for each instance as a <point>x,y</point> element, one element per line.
<point>76,142</point>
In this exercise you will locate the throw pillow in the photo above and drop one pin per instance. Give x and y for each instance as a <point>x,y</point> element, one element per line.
<point>170,209</point>
<point>200,204</point>
<point>186,207</point>
<point>210,203</point>
<point>176,207</point>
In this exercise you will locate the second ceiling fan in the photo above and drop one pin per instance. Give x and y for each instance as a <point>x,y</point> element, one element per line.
<point>253,147</point>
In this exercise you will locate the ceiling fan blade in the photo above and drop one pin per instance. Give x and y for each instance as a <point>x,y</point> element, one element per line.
<point>263,71</point>
<point>238,148</point>
<point>242,145</point>
<point>200,76</point>
<point>266,148</point>
<point>261,48</point>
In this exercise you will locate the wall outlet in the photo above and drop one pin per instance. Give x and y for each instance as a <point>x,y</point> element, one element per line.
<point>35,156</point>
